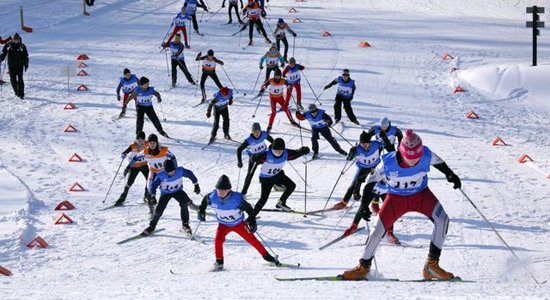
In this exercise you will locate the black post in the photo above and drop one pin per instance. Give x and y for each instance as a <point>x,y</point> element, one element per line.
<point>535,24</point>
<point>535,19</point>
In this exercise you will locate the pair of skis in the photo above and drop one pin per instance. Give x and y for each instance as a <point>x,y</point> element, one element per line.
<point>341,278</point>
<point>190,236</point>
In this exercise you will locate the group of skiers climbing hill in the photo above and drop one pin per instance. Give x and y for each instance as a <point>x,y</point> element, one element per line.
<point>393,165</point>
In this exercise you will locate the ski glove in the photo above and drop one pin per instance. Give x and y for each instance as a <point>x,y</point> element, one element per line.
<point>126,171</point>
<point>252,226</point>
<point>365,214</point>
<point>351,153</point>
<point>123,155</point>
<point>118,97</point>
<point>197,189</point>
<point>240,164</point>
<point>326,87</point>
<point>304,150</point>
<point>208,114</point>
<point>356,196</point>
<point>294,34</point>
<point>261,67</point>
<point>201,216</point>
<point>452,178</point>
<point>159,100</point>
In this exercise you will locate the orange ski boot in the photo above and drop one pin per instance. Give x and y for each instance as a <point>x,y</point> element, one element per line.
<point>358,273</point>
<point>432,271</point>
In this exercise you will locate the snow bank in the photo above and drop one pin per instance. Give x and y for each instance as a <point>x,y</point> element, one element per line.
<point>525,84</point>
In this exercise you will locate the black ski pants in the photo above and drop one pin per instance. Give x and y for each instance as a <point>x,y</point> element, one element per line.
<point>325,132</point>
<point>267,184</point>
<point>183,67</point>
<point>214,76</point>
<point>347,107</point>
<point>224,113</point>
<point>183,200</point>
<point>151,114</point>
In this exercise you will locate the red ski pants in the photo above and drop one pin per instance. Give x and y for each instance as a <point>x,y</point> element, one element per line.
<point>241,230</point>
<point>176,29</point>
<point>298,93</point>
<point>281,101</point>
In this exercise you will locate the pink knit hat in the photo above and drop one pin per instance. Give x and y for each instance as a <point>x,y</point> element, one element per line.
<point>411,145</point>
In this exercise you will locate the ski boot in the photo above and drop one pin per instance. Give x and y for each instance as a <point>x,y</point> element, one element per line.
<point>227,137</point>
<point>164,134</point>
<point>268,129</point>
<point>351,229</point>
<point>344,153</point>
<point>173,84</point>
<point>315,156</point>
<point>340,205</point>
<point>358,273</point>
<point>250,43</point>
<point>120,200</point>
<point>432,270</point>
<point>187,46</point>
<point>267,41</point>
<point>268,257</point>
<point>355,122</point>
<point>300,107</point>
<point>122,113</point>
<point>148,231</point>
<point>218,265</point>
<point>212,139</point>
<point>294,123</point>
<point>282,205</point>
<point>186,229</point>
<point>391,237</point>
<point>336,121</point>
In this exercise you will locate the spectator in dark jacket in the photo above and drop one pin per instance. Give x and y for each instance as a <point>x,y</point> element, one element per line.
<point>18,61</point>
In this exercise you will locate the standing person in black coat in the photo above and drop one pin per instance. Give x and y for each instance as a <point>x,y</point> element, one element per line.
<point>18,60</point>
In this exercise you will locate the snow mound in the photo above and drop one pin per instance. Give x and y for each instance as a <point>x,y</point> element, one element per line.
<point>511,83</point>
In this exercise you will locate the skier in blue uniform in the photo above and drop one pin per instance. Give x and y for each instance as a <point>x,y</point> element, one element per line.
<point>386,134</point>
<point>344,95</point>
<point>229,207</point>
<point>271,173</point>
<point>221,101</point>
<point>170,182</point>
<point>254,144</point>
<point>320,122</point>
<point>127,83</point>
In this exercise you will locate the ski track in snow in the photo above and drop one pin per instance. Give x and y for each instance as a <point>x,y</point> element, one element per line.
<point>401,76</point>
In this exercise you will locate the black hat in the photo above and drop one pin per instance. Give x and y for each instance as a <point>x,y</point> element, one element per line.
<point>364,137</point>
<point>223,183</point>
<point>153,138</point>
<point>16,36</point>
<point>312,108</point>
<point>278,72</point>
<point>256,127</point>
<point>210,52</point>
<point>126,71</point>
<point>140,135</point>
<point>169,165</point>
<point>345,72</point>
<point>278,144</point>
<point>143,80</point>
<point>178,35</point>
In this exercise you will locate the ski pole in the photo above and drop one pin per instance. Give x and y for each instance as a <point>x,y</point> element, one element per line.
<point>167,68</point>
<point>499,236</point>
<point>340,220</point>
<point>167,32</point>
<point>206,21</point>
<point>311,88</point>
<point>346,140</point>
<point>162,111</point>
<point>231,81</point>
<point>109,190</point>
<point>334,187</point>
<point>198,72</point>
<point>257,105</point>
<point>298,174</point>
<point>265,243</point>
<point>256,83</point>
<point>239,178</point>
<point>197,228</point>
<point>305,160</point>
<point>293,45</point>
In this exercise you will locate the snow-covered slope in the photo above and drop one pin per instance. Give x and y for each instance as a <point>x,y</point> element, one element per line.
<point>401,76</point>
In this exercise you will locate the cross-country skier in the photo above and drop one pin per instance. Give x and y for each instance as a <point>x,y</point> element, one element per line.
<point>170,182</point>
<point>386,134</point>
<point>406,177</point>
<point>379,192</point>
<point>229,207</point>
<point>190,7</point>
<point>133,171</point>
<point>221,101</point>
<point>280,35</point>
<point>293,78</point>
<point>209,70</point>
<point>253,11</point>
<point>272,58</point>
<point>320,123</point>
<point>234,4</point>
<point>155,156</point>
<point>272,173</point>
<point>253,144</point>
<point>367,155</point>
<point>276,89</point>
<point>345,93</point>
<point>128,84</point>
<point>179,24</point>
<point>178,60</point>
<point>144,96</point>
